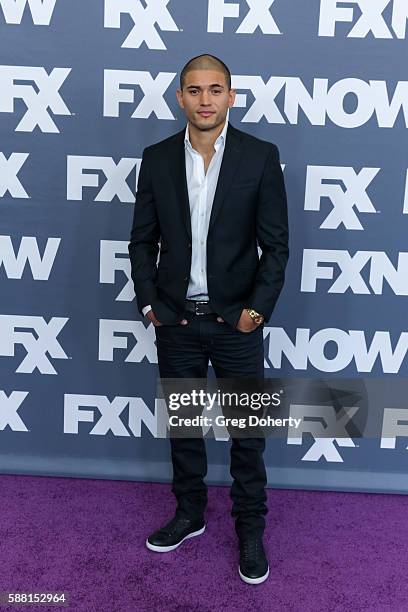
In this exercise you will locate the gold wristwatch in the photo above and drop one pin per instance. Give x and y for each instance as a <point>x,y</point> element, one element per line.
<point>255,316</point>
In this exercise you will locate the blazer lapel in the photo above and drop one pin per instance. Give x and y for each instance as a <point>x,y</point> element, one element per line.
<point>178,173</point>
<point>229,166</point>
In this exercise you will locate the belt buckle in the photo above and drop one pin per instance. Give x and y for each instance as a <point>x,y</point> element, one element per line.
<point>196,304</point>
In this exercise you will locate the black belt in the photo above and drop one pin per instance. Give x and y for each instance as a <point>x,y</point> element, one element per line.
<point>198,307</point>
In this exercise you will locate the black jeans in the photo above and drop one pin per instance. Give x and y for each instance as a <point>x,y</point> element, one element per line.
<point>184,351</point>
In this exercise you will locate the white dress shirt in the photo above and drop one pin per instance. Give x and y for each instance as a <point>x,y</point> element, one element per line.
<point>201,191</point>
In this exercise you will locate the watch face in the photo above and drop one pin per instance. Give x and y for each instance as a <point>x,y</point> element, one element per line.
<point>256,317</point>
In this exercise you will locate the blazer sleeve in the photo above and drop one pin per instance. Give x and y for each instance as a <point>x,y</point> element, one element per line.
<point>272,235</point>
<point>144,238</point>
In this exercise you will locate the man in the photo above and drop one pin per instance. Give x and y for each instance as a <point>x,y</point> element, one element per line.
<point>208,194</point>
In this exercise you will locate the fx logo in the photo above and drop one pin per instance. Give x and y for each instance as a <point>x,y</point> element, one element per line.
<point>79,175</point>
<point>351,271</point>
<point>394,426</point>
<point>16,329</point>
<point>405,209</point>
<point>352,346</point>
<point>114,257</point>
<point>28,252</point>
<point>322,103</point>
<point>37,103</point>
<point>113,334</point>
<point>331,423</point>
<point>9,181</point>
<point>110,420</point>
<point>371,19</point>
<point>259,15</point>
<point>144,18</point>
<point>41,10</point>
<point>345,203</point>
<point>9,410</point>
<point>153,93</point>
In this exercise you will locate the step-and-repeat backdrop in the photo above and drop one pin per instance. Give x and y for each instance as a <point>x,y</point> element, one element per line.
<point>85,85</point>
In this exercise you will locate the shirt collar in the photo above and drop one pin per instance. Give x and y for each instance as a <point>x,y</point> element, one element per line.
<point>220,140</point>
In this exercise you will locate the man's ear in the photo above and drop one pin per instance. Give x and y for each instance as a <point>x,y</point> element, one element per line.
<point>233,93</point>
<point>179,95</point>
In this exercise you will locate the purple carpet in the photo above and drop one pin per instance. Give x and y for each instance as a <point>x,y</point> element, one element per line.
<point>327,551</point>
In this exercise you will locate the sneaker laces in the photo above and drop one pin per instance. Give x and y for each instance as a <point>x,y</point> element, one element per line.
<point>250,549</point>
<point>176,524</point>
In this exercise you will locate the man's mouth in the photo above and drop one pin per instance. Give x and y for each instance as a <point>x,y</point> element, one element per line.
<point>206,113</point>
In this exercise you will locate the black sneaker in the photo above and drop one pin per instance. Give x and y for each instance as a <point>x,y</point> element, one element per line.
<point>253,564</point>
<point>174,533</point>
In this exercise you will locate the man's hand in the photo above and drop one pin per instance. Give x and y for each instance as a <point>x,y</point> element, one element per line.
<point>152,317</point>
<point>246,322</point>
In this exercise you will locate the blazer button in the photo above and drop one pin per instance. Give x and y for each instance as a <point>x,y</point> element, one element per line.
<point>186,278</point>
<point>189,245</point>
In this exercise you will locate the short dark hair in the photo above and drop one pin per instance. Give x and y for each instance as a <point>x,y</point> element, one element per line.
<point>206,61</point>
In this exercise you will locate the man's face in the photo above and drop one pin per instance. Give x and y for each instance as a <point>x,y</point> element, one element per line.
<point>205,98</point>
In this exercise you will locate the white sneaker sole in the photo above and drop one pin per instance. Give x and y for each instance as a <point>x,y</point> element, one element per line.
<point>156,548</point>
<point>253,580</point>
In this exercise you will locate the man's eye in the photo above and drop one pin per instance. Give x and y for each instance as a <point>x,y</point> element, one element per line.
<point>216,91</point>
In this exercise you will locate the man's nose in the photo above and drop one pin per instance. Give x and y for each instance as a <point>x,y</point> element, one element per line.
<point>205,98</point>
